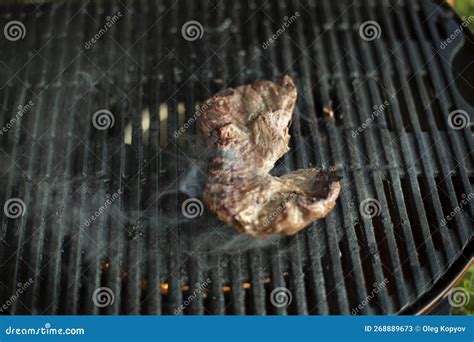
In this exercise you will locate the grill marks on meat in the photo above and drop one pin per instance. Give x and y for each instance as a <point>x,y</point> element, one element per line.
<point>247,130</point>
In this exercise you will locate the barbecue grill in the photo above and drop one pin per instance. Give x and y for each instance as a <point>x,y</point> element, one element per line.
<point>94,217</point>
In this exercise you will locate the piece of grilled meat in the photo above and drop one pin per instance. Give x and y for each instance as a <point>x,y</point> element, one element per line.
<point>247,130</point>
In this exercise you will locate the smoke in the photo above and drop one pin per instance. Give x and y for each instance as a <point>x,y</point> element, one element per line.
<point>204,233</point>
<point>101,208</point>
<point>91,203</point>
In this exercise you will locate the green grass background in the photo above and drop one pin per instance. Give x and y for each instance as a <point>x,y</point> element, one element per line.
<point>465,8</point>
<point>468,283</point>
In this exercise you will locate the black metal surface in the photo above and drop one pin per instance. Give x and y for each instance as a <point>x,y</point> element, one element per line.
<point>141,247</point>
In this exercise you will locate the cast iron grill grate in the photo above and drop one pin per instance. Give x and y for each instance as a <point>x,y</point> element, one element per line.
<point>149,257</point>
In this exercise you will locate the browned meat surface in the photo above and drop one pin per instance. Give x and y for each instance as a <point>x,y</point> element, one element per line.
<point>247,130</point>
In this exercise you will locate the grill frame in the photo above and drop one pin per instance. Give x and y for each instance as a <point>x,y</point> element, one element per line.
<point>299,263</point>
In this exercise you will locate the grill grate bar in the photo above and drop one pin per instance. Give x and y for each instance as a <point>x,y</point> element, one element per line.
<point>315,271</point>
<point>73,282</point>
<point>135,264</point>
<point>175,295</point>
<point>448,243</point>
<point>115,259</point>
<point>155,261</point>
<point>445,75</point>
<point>335,156</point>
<point>98,158</point>
<point>434,261</point>
<point>372,90</point>
<point>9,240</point>
<point>395,178</point>
<point>433,66</point>
<point>366,90</point>
<point>31,238</point>
<point>297,249</point>
<point>196,273</point>
<point>445,233</point>
<point>316,268</point>
<point>53,258</point>
<point>277,256</point>
<point>236,297</point>
<point>256,261</point>
<point>332,221</point>
<point>217,302</point>
<point>12,190</point>
<point>359,176</point>
<point>361,186</point>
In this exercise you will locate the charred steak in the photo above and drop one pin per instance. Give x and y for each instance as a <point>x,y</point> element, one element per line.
<point>247,130</point>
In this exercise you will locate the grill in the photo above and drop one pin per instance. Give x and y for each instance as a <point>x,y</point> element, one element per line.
<point>103,207</point>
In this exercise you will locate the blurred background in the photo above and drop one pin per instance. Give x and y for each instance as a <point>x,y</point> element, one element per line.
<point>467,282</point>
<point>463,7</point>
